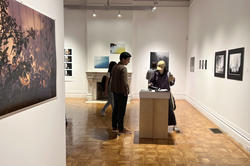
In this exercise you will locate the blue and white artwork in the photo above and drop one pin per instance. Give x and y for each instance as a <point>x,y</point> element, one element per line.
<point>101,62</point>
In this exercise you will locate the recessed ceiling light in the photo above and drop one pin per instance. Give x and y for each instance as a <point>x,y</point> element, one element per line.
<point>94,14</point>
<point>119,15</point>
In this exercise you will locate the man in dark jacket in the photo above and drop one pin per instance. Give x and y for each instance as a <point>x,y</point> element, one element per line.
<point>120,89</point>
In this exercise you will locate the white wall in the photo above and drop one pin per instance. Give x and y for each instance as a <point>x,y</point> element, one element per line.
<point>107,28</point>
<point>140,31</point>
<point>214,26</point>
<point>36,136</point>
<point>75,39</point>
<point>163,30</point>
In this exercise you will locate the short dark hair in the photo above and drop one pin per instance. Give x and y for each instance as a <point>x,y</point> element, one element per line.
<point>124,55</point>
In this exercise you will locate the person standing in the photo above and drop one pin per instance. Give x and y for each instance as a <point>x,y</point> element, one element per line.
<point>107,89</point>
<point>163,80</point>
<point>151,71</point>
<point>120,89</point>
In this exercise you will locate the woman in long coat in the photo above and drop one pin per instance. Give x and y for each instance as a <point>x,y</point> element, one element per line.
<point>163,80</point>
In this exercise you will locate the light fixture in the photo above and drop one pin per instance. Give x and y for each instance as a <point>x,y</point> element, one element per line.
<point>154,7</point>
<point>119,15</point>
<point>94,14</point>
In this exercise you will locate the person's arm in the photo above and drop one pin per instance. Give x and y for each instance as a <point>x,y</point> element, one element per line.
<point>124,81</point>
<point>171,79</point>
<point>152,81</point>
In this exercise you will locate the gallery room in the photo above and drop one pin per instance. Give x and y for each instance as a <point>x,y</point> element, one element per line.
<point>54,55</point>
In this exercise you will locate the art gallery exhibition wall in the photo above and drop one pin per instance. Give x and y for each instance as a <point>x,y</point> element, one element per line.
<point>217,26</point>
<point>36,135</point>
<point>142,32</point>
<point>75,39</point>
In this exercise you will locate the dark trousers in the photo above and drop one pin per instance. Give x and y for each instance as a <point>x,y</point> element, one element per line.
<point>171,115</point>
<point>120,103</point>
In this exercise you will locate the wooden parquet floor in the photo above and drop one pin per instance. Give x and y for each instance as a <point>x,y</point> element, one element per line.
<point>91,142</point>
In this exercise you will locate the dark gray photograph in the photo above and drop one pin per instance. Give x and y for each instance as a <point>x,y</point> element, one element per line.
<point>219,64</point>
<point>235,63</point>
<point>192,61</point>
<point>157,56</point>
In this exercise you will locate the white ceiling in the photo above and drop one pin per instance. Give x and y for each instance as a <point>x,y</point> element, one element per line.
<point>122,4</point>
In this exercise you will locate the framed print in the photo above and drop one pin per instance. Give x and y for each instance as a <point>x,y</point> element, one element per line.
<point>219,64</point>
<point>206,64</point>
<point>67,51</point>
<point>199,64</point>
<point>27,55</point>
<point>101,62</point>
<point>235,64</point>
<point>117,48</point>
<point>157,56</point>
<point>192,61</point>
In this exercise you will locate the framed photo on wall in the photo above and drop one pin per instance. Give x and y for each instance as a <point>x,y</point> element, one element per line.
<point>235,64</point>
<point>157,56</point>
<point>28,57</point>
<point>101,62</point>
<point>192,61</point>
<point>219,64</point>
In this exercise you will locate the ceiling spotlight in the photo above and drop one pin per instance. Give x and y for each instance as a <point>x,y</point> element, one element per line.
<point>154,7</point>
<point>94,14</point>
<point>119,15</point>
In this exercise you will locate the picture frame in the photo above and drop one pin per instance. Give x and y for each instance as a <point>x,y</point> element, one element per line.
<point>220,64</point>
<point>235,64</point>
<point>192,62</point>
<point>101,62</point>
<point>28,58</point>
<point>155,57</point>
<point>117,48</point>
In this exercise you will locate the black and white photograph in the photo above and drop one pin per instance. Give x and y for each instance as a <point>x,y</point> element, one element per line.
<point>157,56</point>
<point>192,61</point>
<point>68,72</point>
<point>219,64</point>
<point>67,58</point>
<point>235,64</point>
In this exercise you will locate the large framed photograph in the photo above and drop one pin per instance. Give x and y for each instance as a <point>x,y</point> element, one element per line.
<point>157,56</point>
<point>27,55</point>
<point>219,64</point>
<point>235,64</point>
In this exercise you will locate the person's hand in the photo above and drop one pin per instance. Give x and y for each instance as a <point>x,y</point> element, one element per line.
<point>171,78</point>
